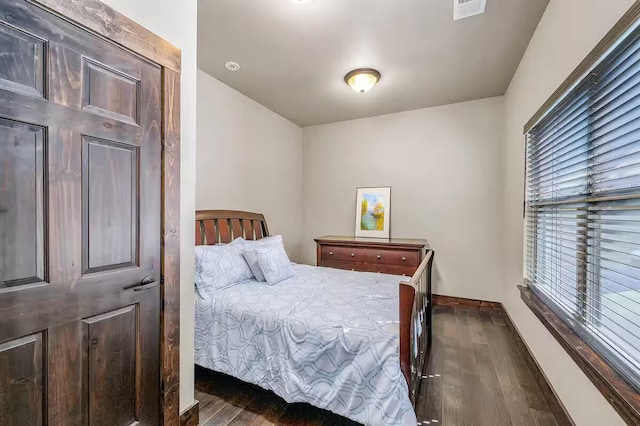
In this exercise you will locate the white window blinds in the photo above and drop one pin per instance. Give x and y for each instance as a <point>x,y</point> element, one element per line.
<point>583,207</point>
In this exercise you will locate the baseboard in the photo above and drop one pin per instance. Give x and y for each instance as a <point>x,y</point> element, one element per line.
<point>555,404</point>
<point>464,303</point>
<point>190,416</point>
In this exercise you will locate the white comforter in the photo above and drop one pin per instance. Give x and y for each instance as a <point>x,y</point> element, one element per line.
<point>326,337</point>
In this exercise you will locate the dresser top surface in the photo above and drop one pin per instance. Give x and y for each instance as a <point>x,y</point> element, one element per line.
<point>351,240</point>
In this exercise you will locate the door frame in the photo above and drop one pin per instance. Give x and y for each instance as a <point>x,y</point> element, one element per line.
<point>109,24</point>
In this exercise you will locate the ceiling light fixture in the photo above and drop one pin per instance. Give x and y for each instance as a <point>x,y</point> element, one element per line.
<point>232,66</point>
<point>362,79</point>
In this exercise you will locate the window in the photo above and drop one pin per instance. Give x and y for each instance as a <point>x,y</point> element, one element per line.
<point>583,207</point>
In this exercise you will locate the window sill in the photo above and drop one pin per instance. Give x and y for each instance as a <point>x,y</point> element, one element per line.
<point>624,399</point>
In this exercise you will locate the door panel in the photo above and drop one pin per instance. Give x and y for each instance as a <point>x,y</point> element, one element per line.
<point>80,225</point>
<point>112,362</point>
<point>22,61</point>
<point>109,92</point>
<point>21,203</point>
<point>110,204</point>
<point>21,381</point>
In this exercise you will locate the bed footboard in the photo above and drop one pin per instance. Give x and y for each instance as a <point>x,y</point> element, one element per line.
<point>415,324</point>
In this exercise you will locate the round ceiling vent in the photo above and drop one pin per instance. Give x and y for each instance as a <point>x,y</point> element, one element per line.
<point>232,66</point>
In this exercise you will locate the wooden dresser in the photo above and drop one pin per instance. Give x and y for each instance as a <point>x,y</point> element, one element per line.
<point>388,256</point>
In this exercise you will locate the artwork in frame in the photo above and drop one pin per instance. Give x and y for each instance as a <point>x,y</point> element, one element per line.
<point>373,206</point>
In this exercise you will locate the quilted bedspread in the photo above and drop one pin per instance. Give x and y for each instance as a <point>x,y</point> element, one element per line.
<point>326,337</point>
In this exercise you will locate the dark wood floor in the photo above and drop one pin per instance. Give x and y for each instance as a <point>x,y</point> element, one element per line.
<point>476,375</point>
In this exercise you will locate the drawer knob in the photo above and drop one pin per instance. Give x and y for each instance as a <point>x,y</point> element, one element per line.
<point>404,258</point>
<point>353,254</point>
<point>330,253</point>
<point>353,269</point>
<point>378,257</point>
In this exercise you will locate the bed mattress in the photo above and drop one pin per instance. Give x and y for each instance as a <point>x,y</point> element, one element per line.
<point>325,337</point>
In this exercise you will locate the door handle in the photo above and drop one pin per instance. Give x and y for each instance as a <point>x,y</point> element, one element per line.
<point>146,283</point>
<point>146,286</point>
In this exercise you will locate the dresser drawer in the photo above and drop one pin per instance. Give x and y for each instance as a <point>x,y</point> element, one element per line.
<point>407,271</point>
<point>342,254</point>
<point>402,258</point>
<point>348,266</point>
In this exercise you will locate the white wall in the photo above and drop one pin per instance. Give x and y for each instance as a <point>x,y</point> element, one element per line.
<point>176,22</point>
<point>249,158</point>
<point>567,32</point>
<point>443,166</point>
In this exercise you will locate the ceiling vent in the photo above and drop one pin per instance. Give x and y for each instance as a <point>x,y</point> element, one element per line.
<point>466,8</point>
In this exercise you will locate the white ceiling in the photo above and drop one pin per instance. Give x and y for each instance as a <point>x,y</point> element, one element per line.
<point>293,57</point>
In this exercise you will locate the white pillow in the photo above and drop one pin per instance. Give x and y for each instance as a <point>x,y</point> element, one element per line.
<point>252,260</point>
<point>250,247</point>
<point>220,266</point>
<point>274,263</point>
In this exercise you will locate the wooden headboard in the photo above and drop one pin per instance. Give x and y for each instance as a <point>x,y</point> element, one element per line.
<point>223,226</point>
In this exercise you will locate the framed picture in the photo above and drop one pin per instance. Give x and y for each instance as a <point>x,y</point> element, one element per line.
<point>373,206</point>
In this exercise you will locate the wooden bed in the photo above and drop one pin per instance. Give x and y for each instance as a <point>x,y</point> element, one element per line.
<point>223,226</point>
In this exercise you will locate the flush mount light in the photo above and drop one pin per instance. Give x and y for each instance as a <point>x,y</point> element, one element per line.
<point>363,79</point>
<point>232,66</point>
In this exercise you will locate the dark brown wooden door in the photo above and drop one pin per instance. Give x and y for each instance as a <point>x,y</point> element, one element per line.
<point>80,179</point>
